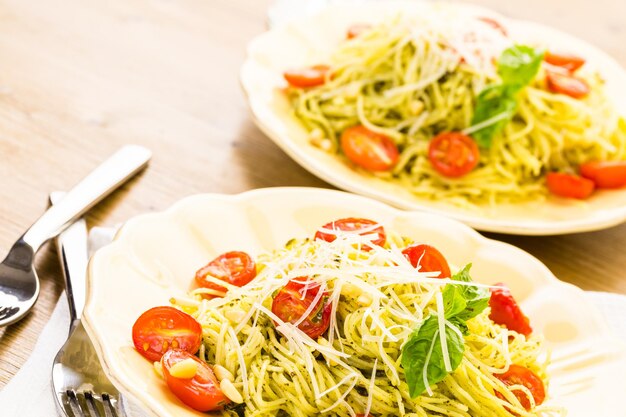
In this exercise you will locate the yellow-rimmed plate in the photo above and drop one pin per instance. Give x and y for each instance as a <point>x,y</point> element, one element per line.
<point>155,256</point>
<point>311,40</point>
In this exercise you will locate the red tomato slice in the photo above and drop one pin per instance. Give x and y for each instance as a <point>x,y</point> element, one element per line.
<point>202,392</point>
<point>353,225</point>
<point>605,174</point>
<point>494,24</point>
<point>292,301</point>
<point>569,185</point>
<point>567,84</point>
<point>369,150</point>
<point>506,311</point>
<point>453,154</point>
<point>307,77</point>
<point>567,61</point>
<point>236,268</point>
<point>519,375</point>
<point>162,328</point>
<point>428,258</point>
<point>357,30</point>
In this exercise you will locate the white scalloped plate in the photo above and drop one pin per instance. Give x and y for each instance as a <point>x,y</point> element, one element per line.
<point>155,256</point>
<point>312,39</point>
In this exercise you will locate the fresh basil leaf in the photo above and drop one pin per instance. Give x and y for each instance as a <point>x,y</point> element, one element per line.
<point>453,300</point>
<point>415,353</point>
<point>519,64</point>
<point>493,101</point>
<point>460,324</point>
<point>476,298</point>
<point>517,67</point>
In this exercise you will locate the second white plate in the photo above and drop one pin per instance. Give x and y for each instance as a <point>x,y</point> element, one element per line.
<point>312,39</point>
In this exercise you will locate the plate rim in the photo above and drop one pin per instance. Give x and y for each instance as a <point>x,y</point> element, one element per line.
<point>611,216</point>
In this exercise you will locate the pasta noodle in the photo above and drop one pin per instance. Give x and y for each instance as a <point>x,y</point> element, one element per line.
<point>377,300</point>
<point>405,79</point>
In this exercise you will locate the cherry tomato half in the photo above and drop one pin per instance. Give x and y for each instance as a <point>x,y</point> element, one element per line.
<point>307,77</point>
<point>606,174</point>
<point>236,268</point>
<point>494,24</point>
<point>162,328</point>
<point>357,30</point>
<point>567,84</point>
<point>369,150</point>
<point>519,375</point>
<point>567,61</point>
<point>353,225</point>
<point>201,392</point>
<point>428,258</point>
<point>453,154</point>
<point>292,301</point>
<point>569,185</point>
<point>506,311</point>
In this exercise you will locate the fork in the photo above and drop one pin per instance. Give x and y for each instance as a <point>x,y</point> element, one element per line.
<point>81,388</point>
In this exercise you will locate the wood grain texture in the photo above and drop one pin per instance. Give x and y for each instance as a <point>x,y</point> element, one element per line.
<point>80,78</point>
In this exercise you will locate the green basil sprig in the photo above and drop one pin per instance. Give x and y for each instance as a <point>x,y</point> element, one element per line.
<point>423,352</point>
<point>517,67</point>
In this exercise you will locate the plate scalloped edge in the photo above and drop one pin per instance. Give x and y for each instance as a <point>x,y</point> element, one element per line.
<point>137,268</point>
<point>260,77</point>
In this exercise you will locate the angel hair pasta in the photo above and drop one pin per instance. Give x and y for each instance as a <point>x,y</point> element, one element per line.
<point>360,321</point>
<point>525,112</point>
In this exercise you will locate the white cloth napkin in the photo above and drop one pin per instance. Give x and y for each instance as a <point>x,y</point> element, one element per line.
<point>29,393</point>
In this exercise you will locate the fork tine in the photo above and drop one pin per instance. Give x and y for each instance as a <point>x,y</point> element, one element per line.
<point>109,407</point>
<point>72,400</point>
<point>91,404</point>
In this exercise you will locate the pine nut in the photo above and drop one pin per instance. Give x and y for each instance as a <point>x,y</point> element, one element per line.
<point>230,391</point>
<point>223,373</point>
<point>416,107</point>
<point>184,369</point>
<point>235,315</point>
<point>316,134</point>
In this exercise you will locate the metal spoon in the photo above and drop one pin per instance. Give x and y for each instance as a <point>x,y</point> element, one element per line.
<point>19,284</point>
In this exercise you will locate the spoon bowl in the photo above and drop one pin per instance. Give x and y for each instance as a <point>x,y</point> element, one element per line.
<point>19,284</point>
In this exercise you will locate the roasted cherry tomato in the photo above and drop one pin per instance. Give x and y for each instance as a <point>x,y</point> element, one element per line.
<point>236,268</point>
<point>356,30</point>
<point>369,150</point>
<point>567,84</point>
<point>428,258</point>
<point>162,328</point>
<point>494,24</point>
<point>292,301</point>
<point>569,185</point>
<point>353,225</point>
<point>307,77</point>
<point>606,174</point>
<point>519,375</point>
<point>201,392</point>
<point>506,311</point>
<point>569,62</point>
<point>453,154</point>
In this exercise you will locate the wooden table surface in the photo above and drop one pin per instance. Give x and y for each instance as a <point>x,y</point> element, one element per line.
<point>80,78</point>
